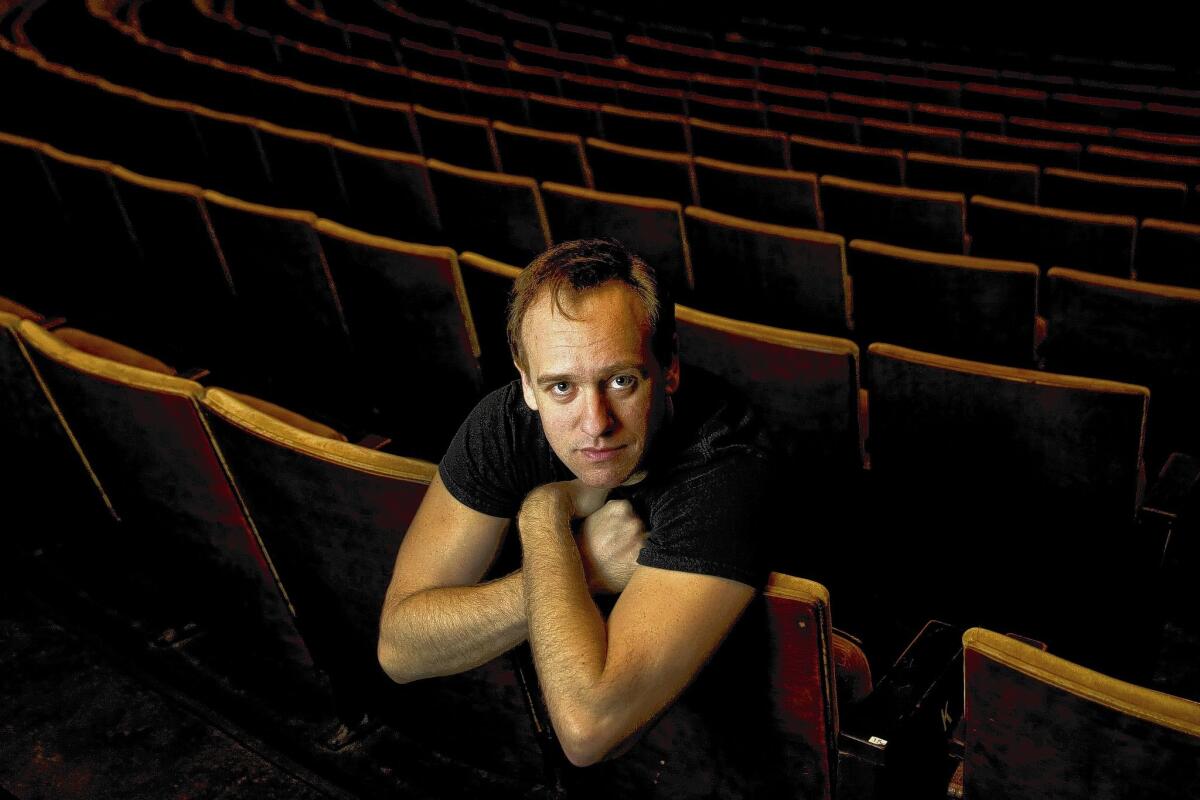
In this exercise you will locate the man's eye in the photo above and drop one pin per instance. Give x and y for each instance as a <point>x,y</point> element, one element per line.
<point>560,388</point>
<point>623,381</point>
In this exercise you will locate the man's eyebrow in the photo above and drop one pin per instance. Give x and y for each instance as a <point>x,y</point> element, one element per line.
<point>625,366</point>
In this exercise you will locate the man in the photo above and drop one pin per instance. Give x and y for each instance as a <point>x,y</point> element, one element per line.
<point>618,485</point>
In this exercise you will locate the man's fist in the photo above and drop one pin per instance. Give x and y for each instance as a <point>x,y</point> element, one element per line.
<point>609,541</point>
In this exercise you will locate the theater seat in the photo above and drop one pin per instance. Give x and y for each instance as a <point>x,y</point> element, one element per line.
<point>638,171</point>
<point>183,528</point>
<point>1038,725</point>
<point>332,514</point>
<point>1038,473</point>
<point>1101,243</point>
<point>651,228</point>
<point>922,218</point>
<point>956,305</point>
<point>406,313</point>
<point>804,386</point>
<point>50,494</point>
<point>488,283</point>
<point>1131,331</point>
<point>1168,252</point>
<point>490,212</point>
<point>777,196</point>
<point>770,274</point>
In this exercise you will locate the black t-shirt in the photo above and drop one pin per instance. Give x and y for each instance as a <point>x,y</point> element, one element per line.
<point>706,484</point>
<point>706,503</point>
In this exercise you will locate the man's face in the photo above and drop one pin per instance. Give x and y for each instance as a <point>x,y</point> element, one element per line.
<point>599,390</point>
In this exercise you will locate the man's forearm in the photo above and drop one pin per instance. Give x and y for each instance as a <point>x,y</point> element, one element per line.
<point>566,631</point>
<point>448,630</point>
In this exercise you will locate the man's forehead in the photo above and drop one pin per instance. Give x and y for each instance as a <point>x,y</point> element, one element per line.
<point>607,323</point>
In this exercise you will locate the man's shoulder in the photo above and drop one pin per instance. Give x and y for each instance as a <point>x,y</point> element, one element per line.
<point>713,427</point>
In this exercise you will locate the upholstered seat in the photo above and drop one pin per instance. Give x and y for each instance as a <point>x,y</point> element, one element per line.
<point>1040,726</point>
<point>1101,243</point>
<point>652,228</point>
<point>490,212</point>
<point>333,515</point>
<point>770,274</point>
<point>777,196</point>
<point>956,305</point>
<point>638,171</point>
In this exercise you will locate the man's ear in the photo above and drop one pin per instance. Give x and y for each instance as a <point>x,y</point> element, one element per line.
<point>527,389</point>
<point>671,373</point>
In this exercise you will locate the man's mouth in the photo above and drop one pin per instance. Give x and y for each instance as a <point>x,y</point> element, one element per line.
<point>600,453</point>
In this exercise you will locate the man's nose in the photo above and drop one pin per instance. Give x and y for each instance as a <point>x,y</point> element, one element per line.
<point>597,416</point>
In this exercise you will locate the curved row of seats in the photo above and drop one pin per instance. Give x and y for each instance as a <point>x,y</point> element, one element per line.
<point>947,141</point>
<point>1054,459</point>
<point>299,528</point>
<point>872,124</point>
<point>661,62</point>
<point>389,193</point>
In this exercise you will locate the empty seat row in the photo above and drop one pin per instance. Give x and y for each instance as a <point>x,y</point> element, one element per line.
<point>813,122</point>
<point>690,65</point>
<point>1146,198</point>
<point>270,297</point>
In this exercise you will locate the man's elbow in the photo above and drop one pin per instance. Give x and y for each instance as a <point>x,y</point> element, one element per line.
<point>393,662</point>
<point>586,740</point>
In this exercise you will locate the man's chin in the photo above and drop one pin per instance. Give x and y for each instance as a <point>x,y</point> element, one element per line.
<point>604,477</point>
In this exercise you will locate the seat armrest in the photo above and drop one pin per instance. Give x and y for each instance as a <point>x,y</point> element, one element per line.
<point>195,373</point>
<point>897,738</point>
<point>373,441</point>
<point>1178,481</point>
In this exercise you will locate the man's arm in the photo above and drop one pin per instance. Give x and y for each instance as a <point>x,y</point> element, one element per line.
<point>604,682</point>
<point>437,619</point>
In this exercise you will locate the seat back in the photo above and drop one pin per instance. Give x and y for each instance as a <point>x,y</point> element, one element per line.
<point>463,140</point>
<point>542,155</point>
<point>186,530</point>
<point>962,306</point>
<point>638,171</point>
<point>1135,332</point>
<point>651,228</point>
<point>1001,179</point>
<point>742,145</point>
<point>770,274</point>
<point>803,386</point>
<point>815,123</point>
<point>1111,194</point>
<point>1035,473</point>
<point>1050,237</point>
<point>489,283</point>
<point>1068,443</point>
<point>905,136</point>
<point>922,218</point>
<point>332,515</point>
<point>406,312</point>
<point>184,281</point>
<point>777,196</point>
<point>1026,151</point>
<point>848,160</point>
<point>54,495</point>
<point>802,680</point>
<point>490,212</point>
<point>388,192</point>
<point>1168,252</point>
<point>646,129</point>
<point>291,312</point>
<point>1038,725</point>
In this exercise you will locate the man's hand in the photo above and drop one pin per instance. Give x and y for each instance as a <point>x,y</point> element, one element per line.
<point>609,541</point>
<point>572,499</point>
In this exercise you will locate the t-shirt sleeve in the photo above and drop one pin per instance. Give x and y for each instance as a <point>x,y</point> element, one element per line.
<point>714,522</point>
<point>483,468</point>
